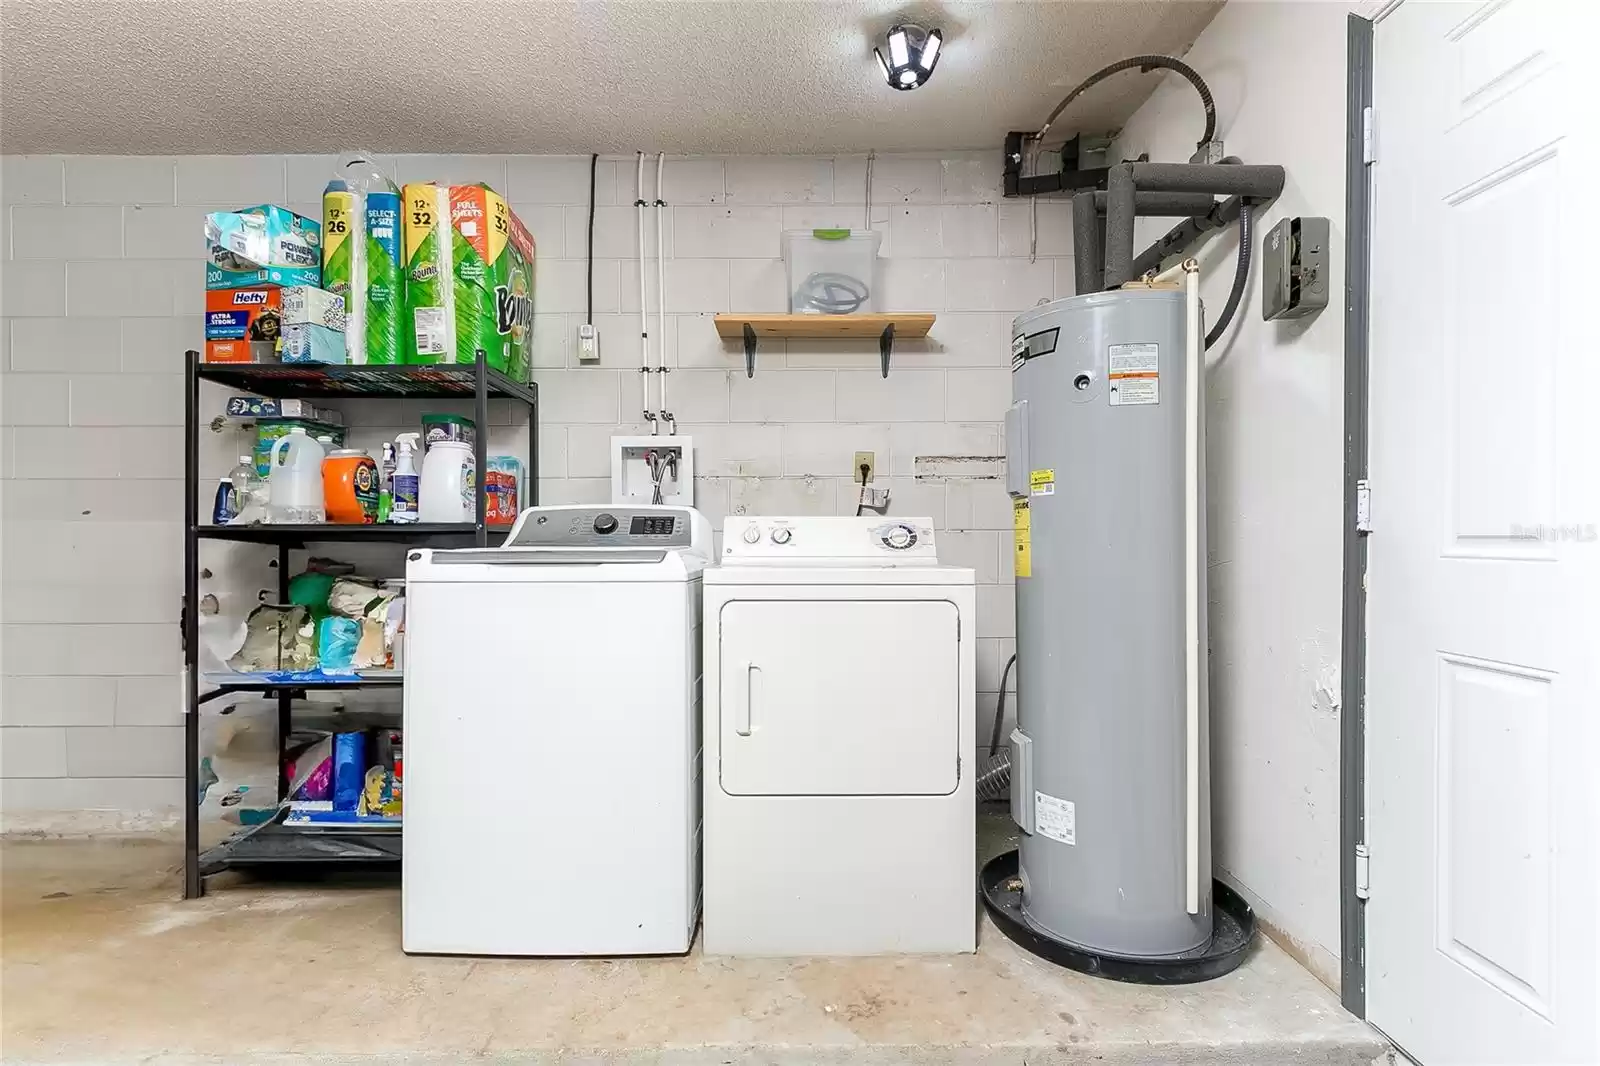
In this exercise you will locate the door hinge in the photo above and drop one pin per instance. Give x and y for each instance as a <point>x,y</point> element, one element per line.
<point>1363,506</point>
<point>1363,872</point>
<point>1369,138</point>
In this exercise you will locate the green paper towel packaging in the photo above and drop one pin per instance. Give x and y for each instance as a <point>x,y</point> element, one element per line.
<point>361,259</point>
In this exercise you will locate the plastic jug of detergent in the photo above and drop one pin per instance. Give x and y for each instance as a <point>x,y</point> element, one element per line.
<point>350,487</point>
<point>449,483</point>
<point>294,483</point>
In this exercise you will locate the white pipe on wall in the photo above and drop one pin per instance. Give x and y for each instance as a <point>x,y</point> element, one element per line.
<point>1194,370</point>
<point>644,301</point>
<point>661,301</point>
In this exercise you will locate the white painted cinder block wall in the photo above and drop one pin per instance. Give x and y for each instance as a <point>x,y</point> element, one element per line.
<point>100,293</point>
<point>1275,467</point>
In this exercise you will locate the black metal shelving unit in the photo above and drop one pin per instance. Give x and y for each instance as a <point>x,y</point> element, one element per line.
<point>276,845</point>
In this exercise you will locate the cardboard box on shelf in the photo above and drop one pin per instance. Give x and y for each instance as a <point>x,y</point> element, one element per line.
<point>249,408</point>
<point>263,245</point>
<point>306,343</point>
<point>259,325</point>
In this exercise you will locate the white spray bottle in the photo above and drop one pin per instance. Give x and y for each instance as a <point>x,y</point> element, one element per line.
<point>404,506</point>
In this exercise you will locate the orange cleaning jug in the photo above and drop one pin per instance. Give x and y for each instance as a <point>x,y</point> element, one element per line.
<point>350,487</point>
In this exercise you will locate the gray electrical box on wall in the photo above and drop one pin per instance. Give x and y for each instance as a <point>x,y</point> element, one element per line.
<point>1294,268</point>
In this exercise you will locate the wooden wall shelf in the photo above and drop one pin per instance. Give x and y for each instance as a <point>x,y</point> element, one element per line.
<point>885,327</point>
<point>906,324</point>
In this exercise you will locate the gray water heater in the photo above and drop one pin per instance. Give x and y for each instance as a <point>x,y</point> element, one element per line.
<point>1109,778</point>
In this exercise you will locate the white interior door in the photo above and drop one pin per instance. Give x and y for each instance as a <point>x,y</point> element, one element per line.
<point>1484,568</point>
<point>839,698</point>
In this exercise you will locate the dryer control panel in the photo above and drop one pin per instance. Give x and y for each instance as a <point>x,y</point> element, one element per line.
<point>810,540</point>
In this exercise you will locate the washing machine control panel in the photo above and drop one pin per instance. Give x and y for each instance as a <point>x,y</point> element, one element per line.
<point>828,541</point>
<point>599,526</point>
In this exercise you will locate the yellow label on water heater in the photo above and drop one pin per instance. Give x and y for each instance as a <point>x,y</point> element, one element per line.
<point>1022,539</point>
<point>1042,483</point>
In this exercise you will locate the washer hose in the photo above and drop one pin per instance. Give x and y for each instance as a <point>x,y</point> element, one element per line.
<point>1145,65</point>
<point>832,293</point>
<point>1241,274</point>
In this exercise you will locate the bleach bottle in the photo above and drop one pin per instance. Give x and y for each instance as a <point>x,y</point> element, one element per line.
<point>294,486</point>
<point>403,506</point>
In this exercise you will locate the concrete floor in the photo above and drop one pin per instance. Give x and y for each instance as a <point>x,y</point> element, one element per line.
<point>101,962</point>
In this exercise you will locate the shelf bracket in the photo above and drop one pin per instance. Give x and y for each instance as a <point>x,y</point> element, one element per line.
<point>886,347</point>
<point>749,351</point>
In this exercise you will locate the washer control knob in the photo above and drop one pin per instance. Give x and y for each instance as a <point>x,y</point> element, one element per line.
<point>780,535</point>
<point>900,537</point>
<point>605,523</point>
<point>752,534</point>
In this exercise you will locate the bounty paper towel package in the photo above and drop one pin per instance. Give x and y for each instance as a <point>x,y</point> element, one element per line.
<point>361,259</point>
<point>469,278</point>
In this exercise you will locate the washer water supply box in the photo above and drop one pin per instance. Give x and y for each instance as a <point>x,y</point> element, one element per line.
<point>262,245</point>
<point>469,278</point>
<point>294,324</point>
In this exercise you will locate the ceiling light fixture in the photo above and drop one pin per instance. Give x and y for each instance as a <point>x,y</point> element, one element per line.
<point>913,52</point>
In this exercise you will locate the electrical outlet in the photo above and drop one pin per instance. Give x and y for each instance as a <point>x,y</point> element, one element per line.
<point>863,459</point>
<point>588,344</point>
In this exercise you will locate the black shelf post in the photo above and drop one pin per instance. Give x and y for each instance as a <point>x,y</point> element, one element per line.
<point>285,696</point>
<point>480,444</point>
<point>192,886</point>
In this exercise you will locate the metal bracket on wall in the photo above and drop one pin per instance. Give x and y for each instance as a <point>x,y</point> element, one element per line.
<point>1070,177</point>
<point>885,349</point>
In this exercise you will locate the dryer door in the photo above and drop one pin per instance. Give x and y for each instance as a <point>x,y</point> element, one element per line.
<point>839,698</point>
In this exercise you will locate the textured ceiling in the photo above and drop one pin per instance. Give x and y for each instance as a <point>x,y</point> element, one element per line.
<point>714,76</point>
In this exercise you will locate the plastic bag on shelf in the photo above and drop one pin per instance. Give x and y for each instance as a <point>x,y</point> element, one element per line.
<point>276,638</point>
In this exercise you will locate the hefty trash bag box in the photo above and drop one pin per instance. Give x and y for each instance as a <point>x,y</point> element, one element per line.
<point>293,324</point>
<point>469,265</point>
<point>263,245</point>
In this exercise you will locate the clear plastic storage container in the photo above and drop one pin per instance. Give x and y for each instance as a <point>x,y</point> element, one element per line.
<point>831,271</point>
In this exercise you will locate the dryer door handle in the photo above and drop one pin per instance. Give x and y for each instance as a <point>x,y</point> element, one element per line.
<point>744,695</point>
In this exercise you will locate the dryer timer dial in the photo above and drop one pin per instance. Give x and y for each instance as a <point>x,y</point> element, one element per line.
<point>900,538</point>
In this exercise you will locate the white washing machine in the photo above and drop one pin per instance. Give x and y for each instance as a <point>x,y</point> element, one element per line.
<point>839,706</point>
<point>552,794</point>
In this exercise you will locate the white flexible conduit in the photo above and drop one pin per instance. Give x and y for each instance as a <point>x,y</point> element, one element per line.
<point>866,222</point>
<point>661,302</point>
<point>1194,371</point>
<point>644,321</point>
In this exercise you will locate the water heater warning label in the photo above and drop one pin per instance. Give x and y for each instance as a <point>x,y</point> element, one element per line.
<point>1022,547</point>
<point>1055,818</point>
<point>1133,372</point>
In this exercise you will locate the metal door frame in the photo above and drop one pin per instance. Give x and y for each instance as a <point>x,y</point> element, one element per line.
<point>1352,723</point>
